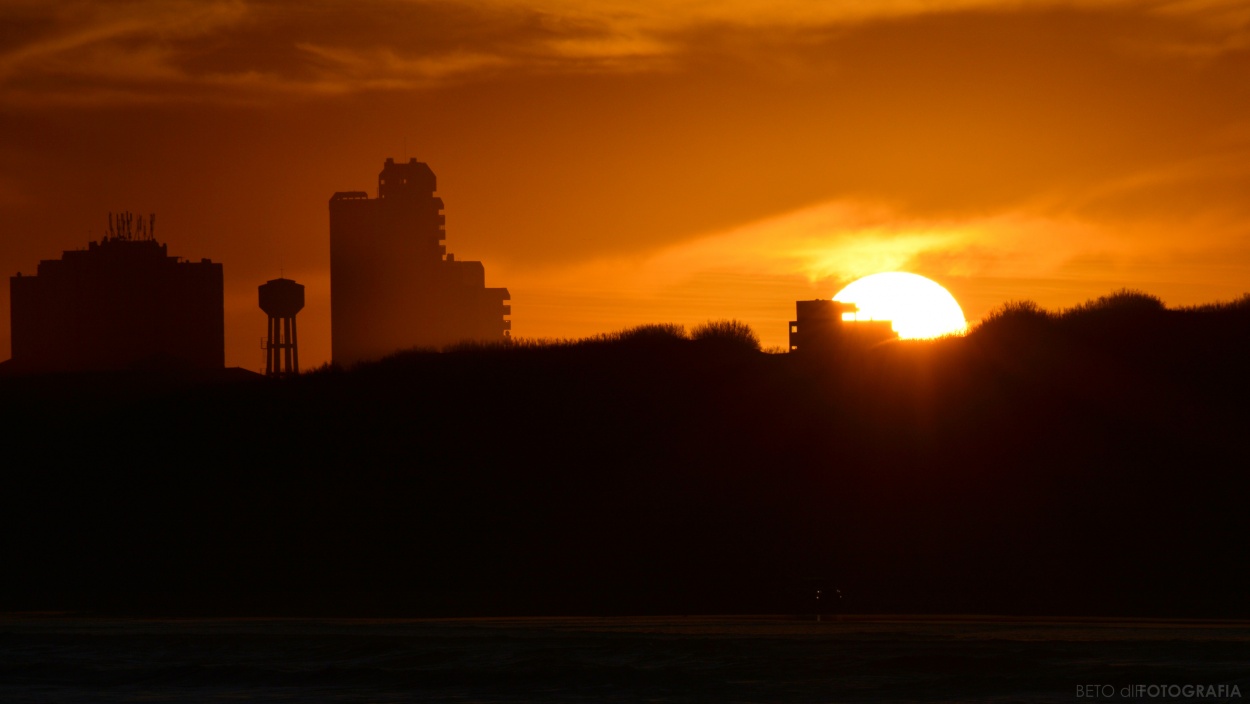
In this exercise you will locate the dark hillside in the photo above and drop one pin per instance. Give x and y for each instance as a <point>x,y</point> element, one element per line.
<point>1089,462</point>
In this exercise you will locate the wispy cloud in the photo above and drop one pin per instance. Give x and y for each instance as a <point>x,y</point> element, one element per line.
<point>843,240</point>
<point>178,50</point>
<point>348,70</point>
<point>183,49</point>
<point>118,33</point>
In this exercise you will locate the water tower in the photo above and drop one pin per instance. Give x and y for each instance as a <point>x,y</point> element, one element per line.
<point>281,299</point>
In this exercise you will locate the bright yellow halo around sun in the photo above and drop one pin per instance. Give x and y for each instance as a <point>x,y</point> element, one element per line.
<point>919,308</point>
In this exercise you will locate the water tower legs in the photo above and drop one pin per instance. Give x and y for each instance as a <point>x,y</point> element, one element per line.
<point>283,356</point>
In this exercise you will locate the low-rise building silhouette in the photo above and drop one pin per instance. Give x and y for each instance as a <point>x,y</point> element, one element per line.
<point>819,325</point>
<point>392,283</point>
<point>121,303</point>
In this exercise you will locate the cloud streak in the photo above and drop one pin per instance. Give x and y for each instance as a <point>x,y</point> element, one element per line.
<point>259,50</point>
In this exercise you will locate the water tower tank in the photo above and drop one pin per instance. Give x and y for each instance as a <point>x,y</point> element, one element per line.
<point>282,298</point>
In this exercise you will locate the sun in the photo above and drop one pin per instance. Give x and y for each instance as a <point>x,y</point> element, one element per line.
<point>919,308</point>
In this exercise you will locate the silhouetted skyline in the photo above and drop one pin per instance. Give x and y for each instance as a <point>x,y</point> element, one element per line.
<point>675,163</point>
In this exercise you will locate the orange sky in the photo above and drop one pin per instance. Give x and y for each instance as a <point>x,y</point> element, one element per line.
<point>624,162</point>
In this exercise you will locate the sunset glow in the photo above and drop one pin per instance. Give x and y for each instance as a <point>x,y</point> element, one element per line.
<point>919,308</point>
<point>393,320</point>
<point>615,164</point>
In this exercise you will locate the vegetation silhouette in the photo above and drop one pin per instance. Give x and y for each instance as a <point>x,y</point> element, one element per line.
<point>1080,462</point>
<point>728,333</point>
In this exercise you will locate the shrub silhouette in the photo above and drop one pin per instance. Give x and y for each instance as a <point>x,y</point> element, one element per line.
<point>1239,305</point>
<point>660,333</point>
<point>1014,317</point>
<point>1122,302</point>
<point>730,332</point>
<point>656,330</point>
<point>1017,310</point>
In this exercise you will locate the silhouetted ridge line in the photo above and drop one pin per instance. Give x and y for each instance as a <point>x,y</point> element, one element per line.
<point>1066,473</point>
<point>1123,315</point>
<point>1121,305</point>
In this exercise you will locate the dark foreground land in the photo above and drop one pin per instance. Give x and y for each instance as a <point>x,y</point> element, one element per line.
<point>712,659</point>
<point>1094,463</point>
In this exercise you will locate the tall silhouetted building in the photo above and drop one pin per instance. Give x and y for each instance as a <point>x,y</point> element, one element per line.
<point>392,284</point>
<point>819,325</point>
<point>121,303</point>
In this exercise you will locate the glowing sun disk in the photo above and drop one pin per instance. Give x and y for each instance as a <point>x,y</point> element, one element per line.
<point>919,307</point>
